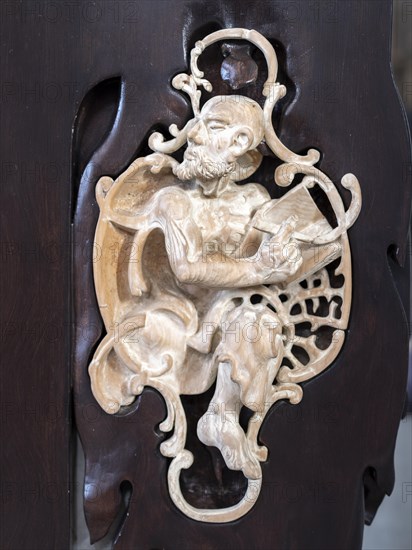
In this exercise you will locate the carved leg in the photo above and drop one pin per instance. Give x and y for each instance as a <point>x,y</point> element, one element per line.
<point>219,426</point>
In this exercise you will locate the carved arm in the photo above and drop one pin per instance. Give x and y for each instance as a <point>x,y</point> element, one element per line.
<point>193,263</point>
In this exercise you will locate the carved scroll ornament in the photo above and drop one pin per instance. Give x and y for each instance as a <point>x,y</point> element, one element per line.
<point>203,281</point>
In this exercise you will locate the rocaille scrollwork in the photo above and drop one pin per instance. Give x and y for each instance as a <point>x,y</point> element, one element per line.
<point>203,280</point>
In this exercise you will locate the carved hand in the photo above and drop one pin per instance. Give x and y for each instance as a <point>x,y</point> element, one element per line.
<point>279,256</point>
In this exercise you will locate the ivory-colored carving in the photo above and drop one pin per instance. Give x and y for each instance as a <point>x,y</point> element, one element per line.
<point>203,280</point>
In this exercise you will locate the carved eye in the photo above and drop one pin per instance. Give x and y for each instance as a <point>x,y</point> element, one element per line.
<point>216,126</point>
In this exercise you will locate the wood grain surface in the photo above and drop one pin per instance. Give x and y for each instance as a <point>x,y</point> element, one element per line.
<point>82,86</point>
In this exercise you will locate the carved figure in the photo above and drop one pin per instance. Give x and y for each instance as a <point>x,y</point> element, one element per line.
<point>205,280</point>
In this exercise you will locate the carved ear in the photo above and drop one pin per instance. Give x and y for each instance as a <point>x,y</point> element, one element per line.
<point>242,142</point>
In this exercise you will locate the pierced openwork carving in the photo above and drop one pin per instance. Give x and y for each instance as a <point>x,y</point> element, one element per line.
<point>203,280</point>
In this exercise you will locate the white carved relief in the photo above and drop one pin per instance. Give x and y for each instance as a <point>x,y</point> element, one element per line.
<point>204,280</point>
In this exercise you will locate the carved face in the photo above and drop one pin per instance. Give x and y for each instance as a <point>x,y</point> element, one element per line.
<point>225,129</point>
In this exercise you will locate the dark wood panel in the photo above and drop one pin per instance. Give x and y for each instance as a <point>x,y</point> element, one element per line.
<point>336,56</point>
<point>35,279</point>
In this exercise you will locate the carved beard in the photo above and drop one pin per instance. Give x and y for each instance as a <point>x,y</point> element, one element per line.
<point>202,166</point>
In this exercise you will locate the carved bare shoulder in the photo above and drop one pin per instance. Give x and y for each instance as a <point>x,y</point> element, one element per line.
<point>255,194</point>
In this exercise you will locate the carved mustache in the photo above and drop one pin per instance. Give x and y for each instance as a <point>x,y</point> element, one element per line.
<point>198,161</point>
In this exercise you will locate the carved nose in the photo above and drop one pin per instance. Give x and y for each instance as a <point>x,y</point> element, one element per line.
<point>198,133</point>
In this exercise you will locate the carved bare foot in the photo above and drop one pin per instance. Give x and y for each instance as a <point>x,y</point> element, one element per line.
<point>230,439</point>
<point>219,427</point>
